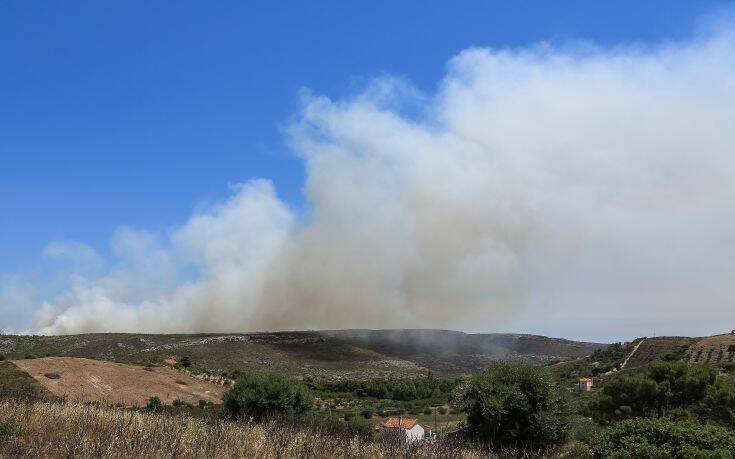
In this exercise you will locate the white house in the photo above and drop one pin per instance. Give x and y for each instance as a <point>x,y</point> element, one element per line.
<point>585,385</point>
<point>409,428</point>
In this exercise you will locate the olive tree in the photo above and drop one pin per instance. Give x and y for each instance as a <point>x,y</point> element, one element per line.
<point>515,405</point>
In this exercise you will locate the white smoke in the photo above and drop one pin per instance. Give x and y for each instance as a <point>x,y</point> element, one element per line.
<point>544,188</point>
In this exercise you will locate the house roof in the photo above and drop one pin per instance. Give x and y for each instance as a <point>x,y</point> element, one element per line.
<point>406,423</point>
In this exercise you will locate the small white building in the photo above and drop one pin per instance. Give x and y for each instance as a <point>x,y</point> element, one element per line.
<point>585,385</point>
<point>409,428</point>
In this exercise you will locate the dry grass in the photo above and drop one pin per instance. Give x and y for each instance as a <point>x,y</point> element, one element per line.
<point>70,430</point>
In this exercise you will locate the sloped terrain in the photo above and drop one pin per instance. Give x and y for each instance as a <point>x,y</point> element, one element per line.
<point>342,353</point>
<point>661,348</point>
<point>714,350</point>
<point>79,379</point>
<point>17,384</point>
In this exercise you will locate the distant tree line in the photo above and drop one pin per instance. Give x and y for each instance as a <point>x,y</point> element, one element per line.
<point>423,388</point>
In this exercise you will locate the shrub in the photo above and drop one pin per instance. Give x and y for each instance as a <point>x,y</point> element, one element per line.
<point>185,361</point>
<point>4,429</point>
<point>427,410</point>
<point>367,413</point>
<point>178,403</point>
<point>664,386</point>
<point>517,406</point>
<point>2,357</point>
<point>442,410</point>
<point>719,403</point>
<point>260,396</point>
<point>360,426</point>
<point>663,438</point>
<point>202,403</point>
<point>154,405</point>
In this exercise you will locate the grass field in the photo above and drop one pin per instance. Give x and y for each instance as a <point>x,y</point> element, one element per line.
<point>55,430</point>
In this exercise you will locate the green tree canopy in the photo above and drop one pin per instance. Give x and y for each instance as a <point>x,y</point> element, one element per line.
<point>260,396</point>
<point>663,386</point>
<point>517,405</point>
<point>663,438</point>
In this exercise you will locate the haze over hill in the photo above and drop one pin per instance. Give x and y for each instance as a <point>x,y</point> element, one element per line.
<point>338,353</point>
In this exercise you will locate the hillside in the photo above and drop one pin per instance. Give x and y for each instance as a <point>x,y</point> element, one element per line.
<point>78,379</point>
<point>337,353</point>
<point>716,350</point>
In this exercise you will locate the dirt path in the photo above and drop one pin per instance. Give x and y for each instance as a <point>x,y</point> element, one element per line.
<point>625,362</point>
<point>116,383</point>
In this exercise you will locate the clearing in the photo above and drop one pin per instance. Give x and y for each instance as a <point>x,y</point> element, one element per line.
<point>86,380</point>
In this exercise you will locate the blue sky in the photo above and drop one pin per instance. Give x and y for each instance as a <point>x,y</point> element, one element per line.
<point>133,113</point>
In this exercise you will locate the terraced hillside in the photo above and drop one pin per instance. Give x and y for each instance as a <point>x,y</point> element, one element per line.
<point>715,350</point>
<point>344,353</point>
<point>661,348</point>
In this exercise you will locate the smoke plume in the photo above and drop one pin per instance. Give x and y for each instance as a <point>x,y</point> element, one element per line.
<point>538,187</point>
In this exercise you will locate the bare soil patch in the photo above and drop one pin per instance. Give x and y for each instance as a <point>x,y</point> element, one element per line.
<point>117,383</point>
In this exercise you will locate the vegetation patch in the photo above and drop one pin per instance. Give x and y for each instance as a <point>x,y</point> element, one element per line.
<point>16,383</point>
<point>664,438</point>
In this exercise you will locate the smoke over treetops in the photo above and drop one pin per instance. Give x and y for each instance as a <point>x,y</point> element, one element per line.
<point>547,183</point>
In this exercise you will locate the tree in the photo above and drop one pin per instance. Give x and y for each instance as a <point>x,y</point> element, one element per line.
<point>719,402</point>
<point>154,404</point>
<point>663,438</point>
<point>185,361</point>
<point>664,386</point>
<point>259,396</point>
<point>515,405</point>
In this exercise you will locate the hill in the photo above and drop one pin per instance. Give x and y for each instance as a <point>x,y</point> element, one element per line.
<point>335,353</point>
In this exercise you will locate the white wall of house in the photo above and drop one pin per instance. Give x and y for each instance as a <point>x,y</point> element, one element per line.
<point>585,385</point>
<point>414,434</point>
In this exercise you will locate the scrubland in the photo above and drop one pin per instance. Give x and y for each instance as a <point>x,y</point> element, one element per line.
<point>40,429</point>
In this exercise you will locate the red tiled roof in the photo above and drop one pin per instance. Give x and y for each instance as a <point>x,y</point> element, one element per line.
<point>406,423</point>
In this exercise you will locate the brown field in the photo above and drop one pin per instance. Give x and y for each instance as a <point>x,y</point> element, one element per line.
<point>85,380</point>
<point>713,350</point>
<point>69,430</point>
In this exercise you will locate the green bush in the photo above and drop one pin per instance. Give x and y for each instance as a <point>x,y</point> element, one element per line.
<point>154,404</point>
<point>4,429</point>
<point>2,357</point>
<point>442,410</point>
<point>517,406</point>
<point>359,426</point>
<point>185,361</point>
<point>719,402</point>
<point>367,413</point>
<point>663,438</point>
<point>260,396</point>
<point>663,386</point>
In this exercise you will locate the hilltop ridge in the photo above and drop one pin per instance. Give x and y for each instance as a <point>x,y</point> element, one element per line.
<point>330,353</point>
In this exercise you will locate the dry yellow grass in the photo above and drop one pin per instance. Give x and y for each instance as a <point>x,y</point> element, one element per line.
<point>72,430</point>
